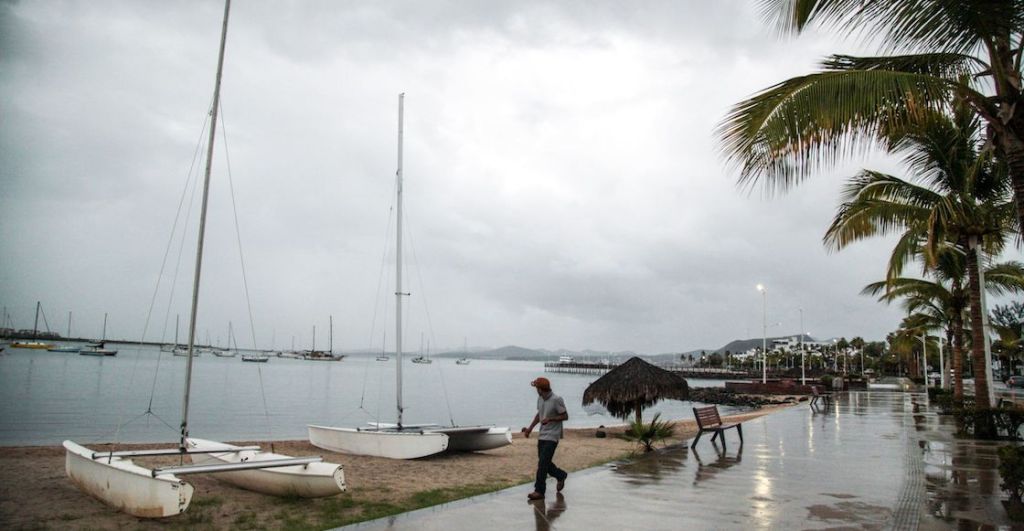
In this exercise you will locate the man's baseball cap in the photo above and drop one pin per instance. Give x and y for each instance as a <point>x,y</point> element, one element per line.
<point>541,383</point>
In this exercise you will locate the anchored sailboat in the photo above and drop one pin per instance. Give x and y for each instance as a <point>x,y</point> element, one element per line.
<point>402,441</point>
<point>99,349</point>
<point>113,478</point>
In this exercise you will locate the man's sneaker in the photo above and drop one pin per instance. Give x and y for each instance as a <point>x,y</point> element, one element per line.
<point>561,483</point>
<point>535,496</point>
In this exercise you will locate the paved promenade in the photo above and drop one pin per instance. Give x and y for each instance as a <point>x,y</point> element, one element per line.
<point>870,461</point>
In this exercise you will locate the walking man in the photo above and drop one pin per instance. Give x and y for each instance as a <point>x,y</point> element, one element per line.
<point>551,413</point>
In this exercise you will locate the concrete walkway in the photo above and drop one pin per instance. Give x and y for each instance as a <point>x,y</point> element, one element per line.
<point>870,461</point>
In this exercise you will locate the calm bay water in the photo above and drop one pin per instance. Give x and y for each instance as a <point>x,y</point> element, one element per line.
<point>46,397</point>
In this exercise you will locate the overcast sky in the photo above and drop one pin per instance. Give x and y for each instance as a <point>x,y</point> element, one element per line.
<point>563,185</point>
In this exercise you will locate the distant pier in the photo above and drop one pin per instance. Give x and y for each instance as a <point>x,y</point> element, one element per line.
<point>578,367</point>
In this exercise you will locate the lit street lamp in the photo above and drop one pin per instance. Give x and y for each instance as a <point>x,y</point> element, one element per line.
<point>764,330</point>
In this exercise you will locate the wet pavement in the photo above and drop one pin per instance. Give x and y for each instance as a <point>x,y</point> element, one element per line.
<point>871,460</point>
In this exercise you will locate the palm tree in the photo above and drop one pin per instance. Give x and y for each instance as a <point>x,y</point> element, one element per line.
<point>960,204</point>
<point>932,51</point>
<point>942,302</point>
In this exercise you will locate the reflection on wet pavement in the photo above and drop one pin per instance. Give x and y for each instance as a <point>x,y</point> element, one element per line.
<point>867,461</point>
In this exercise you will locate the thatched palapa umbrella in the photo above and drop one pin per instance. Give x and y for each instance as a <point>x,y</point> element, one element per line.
<point>633,386</point>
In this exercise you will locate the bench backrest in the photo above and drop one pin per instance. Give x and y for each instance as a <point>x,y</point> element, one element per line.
<point>707,417</point>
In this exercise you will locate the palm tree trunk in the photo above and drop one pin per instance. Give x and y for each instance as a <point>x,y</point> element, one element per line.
<point>977,331</point>
<point>958,355</point>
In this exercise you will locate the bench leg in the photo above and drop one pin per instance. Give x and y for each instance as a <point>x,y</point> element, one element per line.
<point>721,435</point>
<point>739,430</point>
<point>697,438</point>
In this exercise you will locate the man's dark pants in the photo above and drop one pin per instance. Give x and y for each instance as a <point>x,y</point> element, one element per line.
<point>545,453</point>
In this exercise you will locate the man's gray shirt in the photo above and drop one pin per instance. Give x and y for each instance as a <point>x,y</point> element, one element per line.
<point>551,406</point>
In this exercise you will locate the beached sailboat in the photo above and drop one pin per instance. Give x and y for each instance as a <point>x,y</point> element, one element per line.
<point>399,441</point>
<point>113,478</point>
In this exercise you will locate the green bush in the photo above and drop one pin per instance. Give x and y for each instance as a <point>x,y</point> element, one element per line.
<point>942,399</point>
<point>826,380</point>
<point>1011,469</point>
<point>989,424</point>
<point>648,434</point>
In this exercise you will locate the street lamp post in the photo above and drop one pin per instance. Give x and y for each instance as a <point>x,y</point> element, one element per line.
<point>803,363</point>
<point>764,333</point>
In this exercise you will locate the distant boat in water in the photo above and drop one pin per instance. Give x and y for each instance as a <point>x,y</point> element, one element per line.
<point>98,349</point>
<point>255,358</point>
<point>65,348</point>
<point>35,345</point>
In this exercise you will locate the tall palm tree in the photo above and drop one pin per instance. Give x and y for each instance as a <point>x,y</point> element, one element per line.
<point>959,201</point>
<point>931,50</point>
<point>941,303</point>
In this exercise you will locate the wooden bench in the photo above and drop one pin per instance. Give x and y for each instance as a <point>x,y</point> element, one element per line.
<point>708,420</point>
<point>824,396</point>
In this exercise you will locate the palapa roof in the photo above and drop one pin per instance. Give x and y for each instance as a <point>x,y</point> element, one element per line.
<point>635,381</point>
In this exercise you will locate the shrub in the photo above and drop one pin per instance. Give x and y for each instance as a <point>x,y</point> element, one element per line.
<point>826,380</point>
<point>1011,469</point>
<point>648,434</point>
<point>989,423</point>
<point>942,399</point>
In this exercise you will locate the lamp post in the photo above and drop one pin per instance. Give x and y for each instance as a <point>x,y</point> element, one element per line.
<point>764,333</point>
<point>803,364</point>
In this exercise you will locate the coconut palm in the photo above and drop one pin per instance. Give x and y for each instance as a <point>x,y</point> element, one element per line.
<point>958,202</point>
<point>932,51</point>
<point>942,302</point>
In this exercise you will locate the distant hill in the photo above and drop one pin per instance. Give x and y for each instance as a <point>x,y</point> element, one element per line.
<point>743,345</point>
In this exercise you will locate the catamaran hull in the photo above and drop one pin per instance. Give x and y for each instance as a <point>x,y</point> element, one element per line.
<point>126,486</point>
<point>463,438</point>
<point>476,442</point>
<point>378,443</point>
<point>313,480</point>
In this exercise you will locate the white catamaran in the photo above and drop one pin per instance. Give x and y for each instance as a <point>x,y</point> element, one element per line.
<point>113,478</point>
<point>404,441</point>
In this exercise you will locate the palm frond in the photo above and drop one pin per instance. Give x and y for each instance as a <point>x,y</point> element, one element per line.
<point>948,25</point>
<point>787,132</point>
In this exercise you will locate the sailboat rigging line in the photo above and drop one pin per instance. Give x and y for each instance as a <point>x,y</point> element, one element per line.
<point>238,230</point>
<point>189,183</point>
<point>245,278</point>
<point>46,324</point>
<point>430,323</point>
<point>377,297</point>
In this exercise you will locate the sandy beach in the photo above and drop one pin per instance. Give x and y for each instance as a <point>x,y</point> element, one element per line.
<point>35,493</point>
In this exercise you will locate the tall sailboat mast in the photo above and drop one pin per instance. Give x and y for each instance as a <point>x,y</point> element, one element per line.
<point>398,263</point>
<point>35,325</point>
<point>202,226</point>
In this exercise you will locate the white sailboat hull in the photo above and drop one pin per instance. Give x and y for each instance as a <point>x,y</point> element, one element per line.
<point>392,444</point>
<point>478,441</point>
<point>313,480</point>
<point>126,486</point>
<point>464,438</point>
